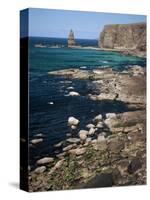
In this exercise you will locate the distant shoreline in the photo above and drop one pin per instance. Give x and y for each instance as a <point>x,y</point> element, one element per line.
<point>126,51</point>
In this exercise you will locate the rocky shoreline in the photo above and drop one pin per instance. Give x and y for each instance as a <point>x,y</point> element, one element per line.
<point>111,149</point>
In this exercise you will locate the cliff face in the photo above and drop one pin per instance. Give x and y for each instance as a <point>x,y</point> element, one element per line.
<point>124,36</point>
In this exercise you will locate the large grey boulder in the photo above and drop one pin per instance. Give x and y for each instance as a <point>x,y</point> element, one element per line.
<point>73,121</point>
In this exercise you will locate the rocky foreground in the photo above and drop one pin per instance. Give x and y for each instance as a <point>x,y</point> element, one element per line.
<point>111,149</point>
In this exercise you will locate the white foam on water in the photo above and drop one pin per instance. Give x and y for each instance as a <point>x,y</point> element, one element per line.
<point>51,103</point>
<point>83,67</point>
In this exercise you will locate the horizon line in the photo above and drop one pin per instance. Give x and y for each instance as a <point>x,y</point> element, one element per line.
<point>59,37</point>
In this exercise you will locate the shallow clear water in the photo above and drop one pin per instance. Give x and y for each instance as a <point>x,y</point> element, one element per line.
<point>51,119</point>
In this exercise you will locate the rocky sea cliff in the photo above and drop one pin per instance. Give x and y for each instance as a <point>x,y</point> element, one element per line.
<point>128,38</point>
<point>111,149</point>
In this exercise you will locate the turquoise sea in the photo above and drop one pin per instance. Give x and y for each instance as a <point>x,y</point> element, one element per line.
<point>51,119</point>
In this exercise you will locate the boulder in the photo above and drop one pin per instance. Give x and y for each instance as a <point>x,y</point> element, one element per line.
<point>73,127</point>
<point>134,165</point>
<point>99,125</point>
<point>72,93</point>
<point>59,144</point>
<point>78,151</point>
<point>45,160</point>
<point>101,138</point>
<point>39,135</point>
<point>88,140</point>
<point>83,134</point>
<point>111,115</point>
<point>73,121</point>
<point>90,126</point>
<point>70,88</point>
<point>73,140</point>
<point>57,166</point>
<point>107,96</point>
<point>111,123</point>
<point>40,170</point>
<point>61,155</point>
<point>67,148</point>
<point>98,118</point>
<point>91,131</point>
<point>36,141</point>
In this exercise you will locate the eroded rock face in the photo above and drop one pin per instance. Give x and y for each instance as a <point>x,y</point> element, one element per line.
<point>124,36</point>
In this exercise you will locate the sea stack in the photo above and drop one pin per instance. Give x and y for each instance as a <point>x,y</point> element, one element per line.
<point>71,40</point>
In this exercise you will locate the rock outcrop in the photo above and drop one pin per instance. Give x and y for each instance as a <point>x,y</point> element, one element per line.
<point>71,40</point>
<point>116,160</point>
<point>110,148</point>
<point>129,37</point>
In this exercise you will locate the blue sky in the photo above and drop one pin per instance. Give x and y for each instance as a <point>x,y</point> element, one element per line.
<point>88,25</point>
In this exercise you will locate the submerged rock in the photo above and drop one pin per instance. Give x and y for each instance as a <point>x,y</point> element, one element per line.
<point>73,121</point>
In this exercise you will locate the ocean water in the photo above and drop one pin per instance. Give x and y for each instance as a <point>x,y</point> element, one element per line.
<point>49,105</point>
